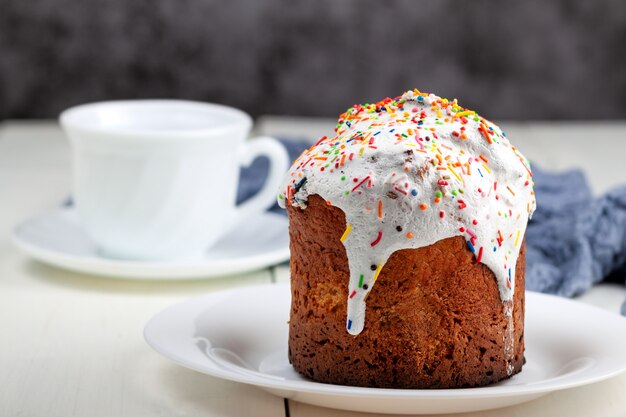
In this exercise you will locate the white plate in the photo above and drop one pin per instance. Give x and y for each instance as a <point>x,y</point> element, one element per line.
<point>56,239</point>
<point>241,335</point>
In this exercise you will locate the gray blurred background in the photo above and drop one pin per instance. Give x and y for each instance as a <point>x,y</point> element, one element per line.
<point>514,60</point>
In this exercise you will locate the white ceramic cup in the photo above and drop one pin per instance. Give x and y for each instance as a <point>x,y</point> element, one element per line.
<point>157,179</point>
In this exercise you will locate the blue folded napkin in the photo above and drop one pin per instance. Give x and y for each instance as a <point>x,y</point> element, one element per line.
<point>572,242</point>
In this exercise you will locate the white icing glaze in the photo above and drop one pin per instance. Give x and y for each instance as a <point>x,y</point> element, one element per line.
<point>412,171</point>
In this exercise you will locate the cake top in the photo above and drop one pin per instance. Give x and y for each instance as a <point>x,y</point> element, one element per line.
<point>411,171</point>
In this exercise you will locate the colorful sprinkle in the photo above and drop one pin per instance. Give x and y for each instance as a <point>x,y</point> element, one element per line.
<point>455,174</point>
<point>346,233</point>
<point>464,113</point>
<point>361,183</point>
<point>378,238</point>
<point>511,191</point>
<point>485,133</point>
<point>380,267</point>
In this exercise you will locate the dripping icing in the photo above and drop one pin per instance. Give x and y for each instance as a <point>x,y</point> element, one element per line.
<point>409,172</point>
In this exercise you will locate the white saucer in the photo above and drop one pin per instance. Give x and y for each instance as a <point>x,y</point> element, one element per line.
<point>241,335</point>
<point>56,239</point>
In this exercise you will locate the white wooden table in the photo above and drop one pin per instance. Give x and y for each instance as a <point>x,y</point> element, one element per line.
<point>71,344</point>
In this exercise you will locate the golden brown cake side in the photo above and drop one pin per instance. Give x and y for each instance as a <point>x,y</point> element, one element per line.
<point>434,319</point>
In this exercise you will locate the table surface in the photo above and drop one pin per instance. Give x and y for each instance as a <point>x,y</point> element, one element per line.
<point>72,344</point>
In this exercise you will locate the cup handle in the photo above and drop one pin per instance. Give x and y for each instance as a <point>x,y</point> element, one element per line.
<point>279,163</point>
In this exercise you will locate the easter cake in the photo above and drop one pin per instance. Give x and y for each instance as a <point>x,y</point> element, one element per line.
<point>407,248</point>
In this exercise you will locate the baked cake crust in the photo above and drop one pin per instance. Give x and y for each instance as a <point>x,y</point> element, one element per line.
<point>434,319</point>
